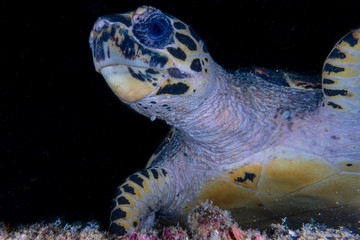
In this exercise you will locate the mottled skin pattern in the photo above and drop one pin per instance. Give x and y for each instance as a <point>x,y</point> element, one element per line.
<point>261,143</point>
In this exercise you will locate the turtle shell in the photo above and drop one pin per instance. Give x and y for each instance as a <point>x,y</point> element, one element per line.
<point>284,182</point>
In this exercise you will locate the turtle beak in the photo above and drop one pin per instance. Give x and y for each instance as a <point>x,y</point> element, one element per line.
<point>114,57</point>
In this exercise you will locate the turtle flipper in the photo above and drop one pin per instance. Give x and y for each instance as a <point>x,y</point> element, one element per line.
<point>341,77</point>
<point>138,199</point>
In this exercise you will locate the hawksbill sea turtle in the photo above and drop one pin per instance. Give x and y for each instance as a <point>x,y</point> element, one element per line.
<point>263,144</point>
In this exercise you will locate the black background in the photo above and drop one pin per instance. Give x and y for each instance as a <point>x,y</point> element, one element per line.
<point>66,142</point>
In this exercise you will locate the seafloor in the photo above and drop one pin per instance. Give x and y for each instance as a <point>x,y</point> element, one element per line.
<point>205,222</point>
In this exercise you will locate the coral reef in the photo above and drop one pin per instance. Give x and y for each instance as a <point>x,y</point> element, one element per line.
<point>205,222</point>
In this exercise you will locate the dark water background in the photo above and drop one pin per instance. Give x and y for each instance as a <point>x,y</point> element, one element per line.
<point>66,142</point>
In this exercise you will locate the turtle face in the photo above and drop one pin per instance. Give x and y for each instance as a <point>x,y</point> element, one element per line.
<point>146,52</point>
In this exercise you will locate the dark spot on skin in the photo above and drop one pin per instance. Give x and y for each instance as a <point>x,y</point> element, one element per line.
<point>187,41</point>
<point>134,223</point>
<point>118,18</point>
<point>206,59</point>
<point>348,164</point>
<point>164,172</point>
<point>260,205</point>
<point>176,73</point>
<point>112,32</point>
<point>335,137</point>
<point>196,65</point>
<point>328,81</point>
<point>331,68</point>
<point>122,200</point>
<point>350,39</point>
<point>179,25</point>
<point>135,75</point>
<point>194,34</point>
<point>129,189</point>
<point>248,176</point>
<point>177,52</point>
<point>151,71</point>
<point>105,36</point>
<point>117,214</point>
<point>114,228</point>
<point>173,89</point>
<point>158,60</point>
<point>155,173</point>
<point>165,105</point>
<point>98,50</point>
<point>127,47</point>
<point>206,70</point>
<point>334,105</point>
<point>332,92</point>
<point>336,53</point>
<point>145,173</point>
<point>153,102</point>
<point>136,179</point>
<point>154,84</point>
<point>108,52</point>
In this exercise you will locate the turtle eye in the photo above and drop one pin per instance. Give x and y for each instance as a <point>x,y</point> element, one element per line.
<point>158,28</point>
<point>154,32</point>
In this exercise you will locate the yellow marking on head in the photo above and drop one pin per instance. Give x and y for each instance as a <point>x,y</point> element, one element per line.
<point>124,85</point>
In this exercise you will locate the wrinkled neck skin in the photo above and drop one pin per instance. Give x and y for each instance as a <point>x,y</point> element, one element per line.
<point>238,114</point>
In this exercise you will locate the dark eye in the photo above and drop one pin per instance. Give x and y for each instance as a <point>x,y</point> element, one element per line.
<point>155,32</point>
<point>158,28</point>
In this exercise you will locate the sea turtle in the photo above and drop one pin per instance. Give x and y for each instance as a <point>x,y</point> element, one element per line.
<point>260,143</point>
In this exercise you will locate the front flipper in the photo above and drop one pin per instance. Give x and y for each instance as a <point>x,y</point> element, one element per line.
<point>341,77</point>
<point>139,198</point>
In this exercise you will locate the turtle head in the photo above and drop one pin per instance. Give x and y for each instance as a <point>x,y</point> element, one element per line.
<point>146,55</point>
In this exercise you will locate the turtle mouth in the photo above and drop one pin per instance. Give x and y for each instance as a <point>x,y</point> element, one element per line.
<point>130,66</point>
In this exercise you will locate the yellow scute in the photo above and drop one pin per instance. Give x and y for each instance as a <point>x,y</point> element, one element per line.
<point>290,170</point>
<point>226,194</point>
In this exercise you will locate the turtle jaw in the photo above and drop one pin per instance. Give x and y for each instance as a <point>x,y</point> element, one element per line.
<point>129,83</point>
<point>131,70</point>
